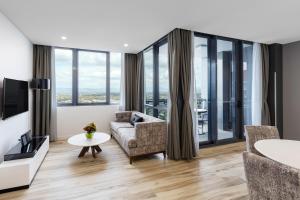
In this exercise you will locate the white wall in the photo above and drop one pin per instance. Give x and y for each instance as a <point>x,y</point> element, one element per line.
<point>16,63</point>
<point>71,119</point>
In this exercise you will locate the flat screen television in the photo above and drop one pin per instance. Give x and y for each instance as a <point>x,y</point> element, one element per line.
<point>15,97</point>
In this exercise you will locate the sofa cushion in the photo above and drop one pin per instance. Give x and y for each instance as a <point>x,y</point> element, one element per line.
<point>116,125</point>
<point>127,136</point>
<point>125,133</point>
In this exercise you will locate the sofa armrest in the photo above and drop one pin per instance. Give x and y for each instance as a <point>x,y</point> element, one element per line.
<point>151,133</point>
<point>123,116</point>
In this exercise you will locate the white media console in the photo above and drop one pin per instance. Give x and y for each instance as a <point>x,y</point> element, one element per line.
<point>18,174</point>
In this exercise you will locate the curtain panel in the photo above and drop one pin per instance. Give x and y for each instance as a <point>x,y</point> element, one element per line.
<point>256,86</point>
<point>140,82</point>
<point>180,127</point>
<point>265,113</point>
<point>134,82</point>
<point>42,98</point>
<point>130,77</point>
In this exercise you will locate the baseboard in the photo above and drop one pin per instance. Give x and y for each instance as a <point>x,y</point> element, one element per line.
<point>14,189</point>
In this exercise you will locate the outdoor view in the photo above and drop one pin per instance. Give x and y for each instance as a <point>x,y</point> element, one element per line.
<point>92,76</point>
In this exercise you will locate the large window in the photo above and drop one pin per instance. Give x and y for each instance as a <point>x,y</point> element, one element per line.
<point>63,72</point>
<point>163,82</point>
<point>148,85</point>
<point>156,80</point>
<point>87,77</point>
<point>115,77</point>
<point>91,77</point>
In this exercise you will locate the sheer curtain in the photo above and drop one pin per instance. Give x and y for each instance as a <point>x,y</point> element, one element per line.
<point>193,96</point>
<point>122,85</point>
<point>256,95</point>
<point>53,118</point>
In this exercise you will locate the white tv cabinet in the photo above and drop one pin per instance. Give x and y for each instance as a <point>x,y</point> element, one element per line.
<point>19,174</point>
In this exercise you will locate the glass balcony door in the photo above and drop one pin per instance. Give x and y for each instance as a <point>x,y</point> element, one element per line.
<point>215,72</point>
<point>225,94</point>
<point>201,97</point>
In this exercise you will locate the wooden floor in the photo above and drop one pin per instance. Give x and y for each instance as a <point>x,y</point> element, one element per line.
<point>216,174</point>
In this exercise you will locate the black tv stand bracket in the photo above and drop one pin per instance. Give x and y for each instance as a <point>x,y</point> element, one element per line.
<point>21,164</point>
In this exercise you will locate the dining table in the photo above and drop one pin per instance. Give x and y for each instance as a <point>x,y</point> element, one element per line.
<point>280,150</point>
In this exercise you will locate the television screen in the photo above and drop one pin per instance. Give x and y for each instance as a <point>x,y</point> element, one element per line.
<point>15,97</point>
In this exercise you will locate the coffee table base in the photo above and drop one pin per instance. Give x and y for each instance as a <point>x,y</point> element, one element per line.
<point>95,149</point>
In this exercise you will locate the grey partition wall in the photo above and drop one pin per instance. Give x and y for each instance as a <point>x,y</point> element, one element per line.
<point>275,87</point>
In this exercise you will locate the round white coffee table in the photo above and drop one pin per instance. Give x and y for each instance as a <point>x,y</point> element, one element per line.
<point>82,141</point>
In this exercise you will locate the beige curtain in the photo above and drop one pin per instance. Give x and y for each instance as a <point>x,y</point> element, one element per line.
<point>42,98</point>
<point>130,77</point>
<point>180,127</point>
<point>173,145</point>
<point>140,82</point>
<point>134,75</point>
<point>187,136</point>
<point>265,116</point>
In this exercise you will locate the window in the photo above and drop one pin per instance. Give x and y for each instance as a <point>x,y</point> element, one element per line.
<point>148,86</point>
<point>91,77</point>
<point>87,77</point>
<point>156,80</point>
<point>63,72</point>
<point>163,84</point>
<point>115,77</point>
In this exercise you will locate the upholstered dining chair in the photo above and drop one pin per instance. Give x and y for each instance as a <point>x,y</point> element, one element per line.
<point>270,180</point>
<point>256,133</point>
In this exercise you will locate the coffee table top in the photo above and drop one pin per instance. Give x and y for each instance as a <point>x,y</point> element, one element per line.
<point>82,141</point>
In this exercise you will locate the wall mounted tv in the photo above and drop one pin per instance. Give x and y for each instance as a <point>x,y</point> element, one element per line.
<point>15,97</point>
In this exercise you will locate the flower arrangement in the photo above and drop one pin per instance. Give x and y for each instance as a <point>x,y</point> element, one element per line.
<point>90,130</point>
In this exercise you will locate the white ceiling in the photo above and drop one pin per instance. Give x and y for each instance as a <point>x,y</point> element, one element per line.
<point>108,24</point>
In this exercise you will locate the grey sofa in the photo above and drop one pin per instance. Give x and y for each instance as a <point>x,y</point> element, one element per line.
<point>147,137</point>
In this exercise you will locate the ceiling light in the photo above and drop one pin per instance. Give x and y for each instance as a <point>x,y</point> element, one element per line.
<point>125,45</point>
<point>63,37</point>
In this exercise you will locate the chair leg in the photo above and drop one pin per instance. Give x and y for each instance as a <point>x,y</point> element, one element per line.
<point>164,154</point>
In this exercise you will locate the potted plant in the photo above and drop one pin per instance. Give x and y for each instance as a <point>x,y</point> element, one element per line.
<point>90,130</point>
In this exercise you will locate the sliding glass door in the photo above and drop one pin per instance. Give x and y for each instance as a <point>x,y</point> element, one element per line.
<point>225,90</point>
<point>215,89</point>
<point>247,83</point>
<point>201,97</point>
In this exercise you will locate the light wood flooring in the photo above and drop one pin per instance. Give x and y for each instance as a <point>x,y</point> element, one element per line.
<point>216,174</point>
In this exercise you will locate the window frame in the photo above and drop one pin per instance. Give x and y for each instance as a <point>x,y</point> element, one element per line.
<point>156,108</point>
<point>75,78</point>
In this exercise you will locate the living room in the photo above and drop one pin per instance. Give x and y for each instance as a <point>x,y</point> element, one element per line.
<point>149,99</point>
